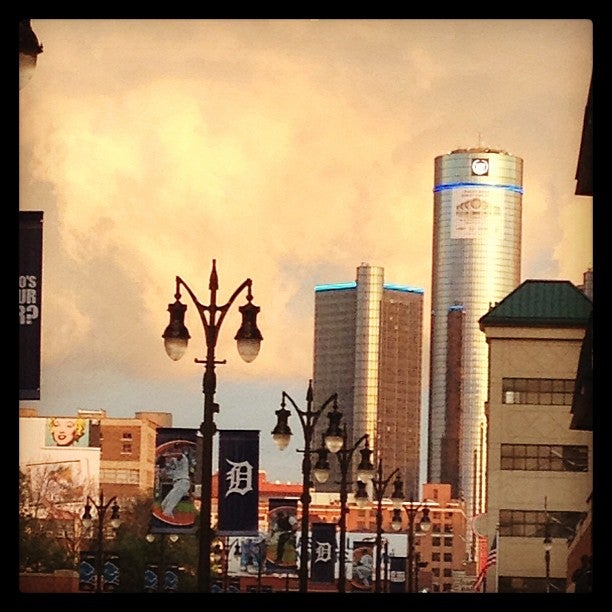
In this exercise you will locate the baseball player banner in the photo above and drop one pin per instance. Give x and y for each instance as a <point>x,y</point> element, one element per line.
<point>281,543</point>
<point>173,509</point>
<point>363,566</point>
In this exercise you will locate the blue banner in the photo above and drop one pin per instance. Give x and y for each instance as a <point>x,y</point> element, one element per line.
<point>110,572</point>
<point>150,579</point>
<point>323,558</point>
<point>87,571</point>
<point>169,579</point>
<point>238,482</point>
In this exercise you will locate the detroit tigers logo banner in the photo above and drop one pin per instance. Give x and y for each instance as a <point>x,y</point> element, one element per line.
<point>238,482</point>
<point>323,552</point>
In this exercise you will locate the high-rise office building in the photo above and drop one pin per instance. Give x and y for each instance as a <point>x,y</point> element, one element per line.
<point>368,350</point>
<point>476,263</point>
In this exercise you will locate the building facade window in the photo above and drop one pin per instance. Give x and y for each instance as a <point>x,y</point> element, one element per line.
<point>525,584</point>
<point>545,457</point>
<point>532,523</point>
<point>538,391</point>
<point>119,476</point>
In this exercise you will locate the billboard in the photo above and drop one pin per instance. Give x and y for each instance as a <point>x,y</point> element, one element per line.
<point>30,294</point>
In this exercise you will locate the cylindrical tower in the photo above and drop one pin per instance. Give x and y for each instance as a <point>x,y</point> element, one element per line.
<point>476,263</point>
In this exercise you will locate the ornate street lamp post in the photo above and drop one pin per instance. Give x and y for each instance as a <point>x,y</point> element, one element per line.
<point>165,579</point>
<point>365,471</point>
<point>176,337</point>
<point>221,554</point>
<point>412,510</point>
<point>281,435</point>
<point>101,509</point>
<point>379,485</point>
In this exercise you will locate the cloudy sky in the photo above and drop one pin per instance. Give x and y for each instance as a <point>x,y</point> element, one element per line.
<point>291,151</point>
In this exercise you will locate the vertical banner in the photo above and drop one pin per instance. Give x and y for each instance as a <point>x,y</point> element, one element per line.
<point>30,296</point>
<point>323,558</point>
<point>252,554</point>
<point>150,579</point>
<point>281,550</point>
<point>110,572</point>
<point>397,574</point>
<point>363,566</point>
<point>87,571</point>
<point>171,579</point>
<point>238,482</point>
<point>173,509</point>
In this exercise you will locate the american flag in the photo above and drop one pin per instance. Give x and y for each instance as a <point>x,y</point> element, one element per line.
<point>491,560</point>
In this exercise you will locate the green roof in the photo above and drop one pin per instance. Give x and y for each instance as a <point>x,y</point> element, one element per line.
<point>541,303</point>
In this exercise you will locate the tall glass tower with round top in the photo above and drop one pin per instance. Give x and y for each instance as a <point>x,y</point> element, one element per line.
<point>476,263</point>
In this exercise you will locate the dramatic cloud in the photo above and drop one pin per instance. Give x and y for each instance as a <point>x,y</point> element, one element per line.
<point>289,150</point>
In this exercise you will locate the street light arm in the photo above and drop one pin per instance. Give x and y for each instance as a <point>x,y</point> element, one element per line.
<point>101,507</point>
<point>212,309</point>
<point>309,417</point>
<point>345,455</point>
<point>379,485</point>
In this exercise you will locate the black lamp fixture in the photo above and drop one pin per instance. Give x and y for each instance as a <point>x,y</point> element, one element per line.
<point>176,337</point>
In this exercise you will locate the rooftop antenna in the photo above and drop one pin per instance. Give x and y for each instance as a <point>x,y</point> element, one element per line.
<point>479,140</point>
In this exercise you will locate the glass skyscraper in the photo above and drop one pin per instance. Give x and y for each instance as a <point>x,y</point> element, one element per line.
<point>476,263</point>
<point>368,350</point>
